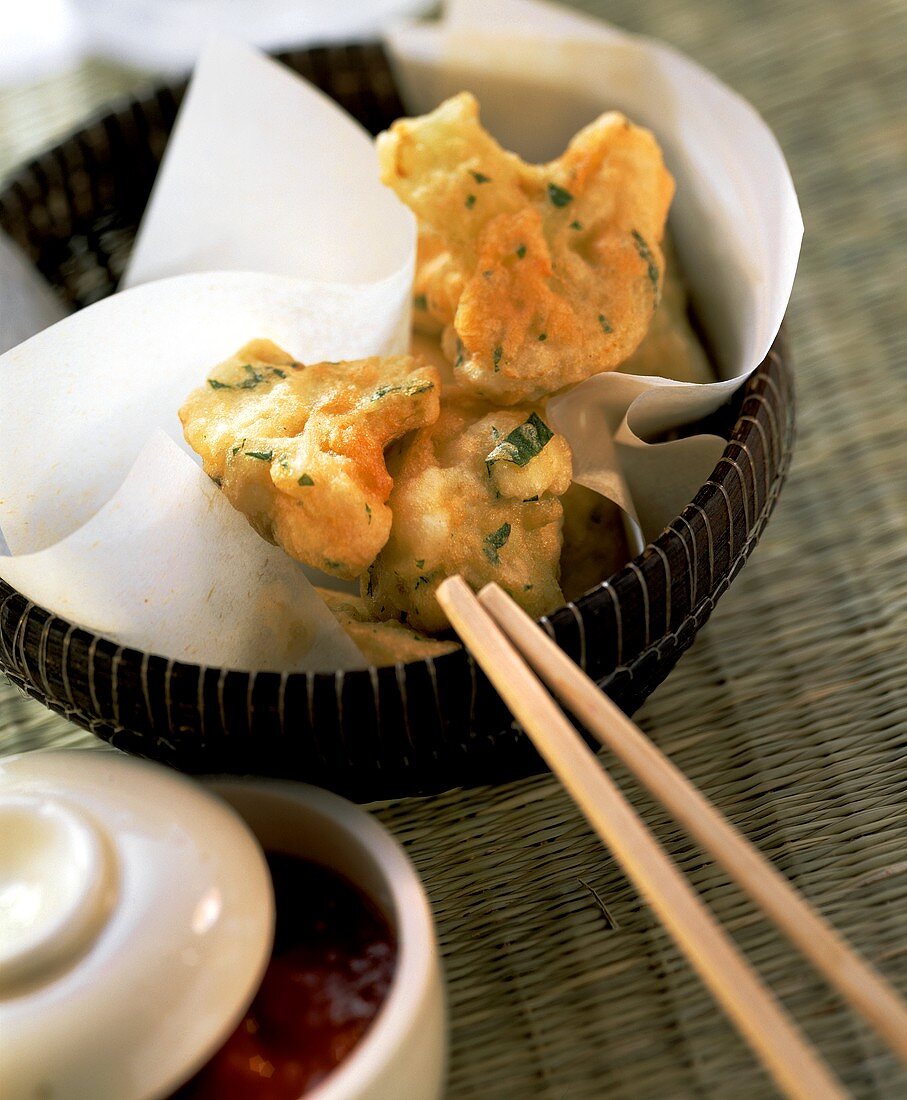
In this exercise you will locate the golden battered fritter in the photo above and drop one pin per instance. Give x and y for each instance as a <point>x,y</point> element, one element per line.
<point>541,274</point>
<point>474,493</point>
<point>299,450</point>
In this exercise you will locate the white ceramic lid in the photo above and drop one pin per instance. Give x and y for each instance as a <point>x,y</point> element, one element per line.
<point>136,921</point>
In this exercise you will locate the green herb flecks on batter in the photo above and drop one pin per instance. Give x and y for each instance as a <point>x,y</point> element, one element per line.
<point>494,542</point>
<point>523,443</point>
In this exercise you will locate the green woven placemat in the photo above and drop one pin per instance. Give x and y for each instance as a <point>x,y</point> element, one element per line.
<point>791,709</point>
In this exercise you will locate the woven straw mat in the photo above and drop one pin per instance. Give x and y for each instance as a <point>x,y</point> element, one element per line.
<point>790,711</point>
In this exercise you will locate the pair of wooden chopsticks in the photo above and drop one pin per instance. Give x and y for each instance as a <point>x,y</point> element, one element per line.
<point>494,629</point>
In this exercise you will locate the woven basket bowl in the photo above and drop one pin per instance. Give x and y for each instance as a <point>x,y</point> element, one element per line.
<point>407,729</point>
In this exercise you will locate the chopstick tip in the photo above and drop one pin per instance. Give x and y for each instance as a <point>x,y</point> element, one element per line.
<point>450,588</point>
<point>497,600</point>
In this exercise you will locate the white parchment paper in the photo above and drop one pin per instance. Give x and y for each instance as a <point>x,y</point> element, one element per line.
<point>267,219</point>
<point>265,173</point>
<point>540,73</point>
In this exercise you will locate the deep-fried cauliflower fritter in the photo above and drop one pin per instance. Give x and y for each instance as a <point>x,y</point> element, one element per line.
<point>542,274</point>
<point>475,493</point>
<point>299,450</point>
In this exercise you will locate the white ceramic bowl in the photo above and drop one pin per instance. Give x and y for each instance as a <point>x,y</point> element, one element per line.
<point>136,917</point>
<point>404,1053</point>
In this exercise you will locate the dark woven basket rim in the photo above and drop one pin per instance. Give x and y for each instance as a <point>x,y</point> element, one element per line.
<point>627,632</point>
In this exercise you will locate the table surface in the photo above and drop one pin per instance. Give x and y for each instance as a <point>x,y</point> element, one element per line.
<point>790,711</point>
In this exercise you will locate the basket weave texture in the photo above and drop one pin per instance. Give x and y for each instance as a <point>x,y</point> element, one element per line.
<point>790,710</point>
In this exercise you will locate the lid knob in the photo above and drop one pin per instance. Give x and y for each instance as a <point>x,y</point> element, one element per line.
<point>57,887</point>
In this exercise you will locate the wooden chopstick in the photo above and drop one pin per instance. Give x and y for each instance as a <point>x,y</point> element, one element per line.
<point>786,1054</point>
<point>862,986</point>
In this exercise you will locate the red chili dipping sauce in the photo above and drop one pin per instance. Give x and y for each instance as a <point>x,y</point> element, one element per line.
<point>330,970</point>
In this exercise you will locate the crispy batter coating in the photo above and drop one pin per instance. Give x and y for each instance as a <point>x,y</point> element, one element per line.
<point>542,274</point>
<point>382,643</point>
<point>474,493</point>
<point>299,450</point>
<point>671,348</point>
